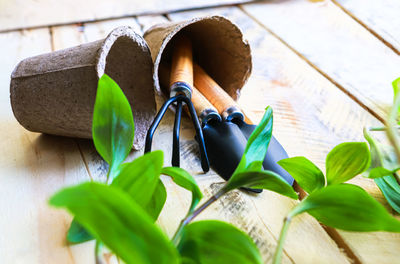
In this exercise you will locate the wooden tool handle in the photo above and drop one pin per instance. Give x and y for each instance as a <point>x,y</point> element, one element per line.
<point>224,103</point>
<point>204,109</point>
<point>182,62</point>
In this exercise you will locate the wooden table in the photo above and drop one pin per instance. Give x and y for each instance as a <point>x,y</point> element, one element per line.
<point>325,67</point>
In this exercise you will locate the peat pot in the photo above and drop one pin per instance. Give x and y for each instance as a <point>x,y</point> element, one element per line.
<point>218,47</point>
<point>54,93</point>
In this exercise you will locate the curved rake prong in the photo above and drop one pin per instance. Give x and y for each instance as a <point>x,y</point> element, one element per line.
<point>156,122</point>
<point>205,164</point>
<point>177,126</point>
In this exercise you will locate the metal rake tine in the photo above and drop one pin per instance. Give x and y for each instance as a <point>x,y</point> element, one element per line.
<point>156,122</point>
<point>205,164</point>
<point>177,125</point>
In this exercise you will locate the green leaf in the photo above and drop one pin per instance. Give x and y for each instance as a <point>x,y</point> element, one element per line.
<point>157,201</point>
<point>345,161</point>
<point>77,233</point>
<point>114,218</point>
<point>140,177</point>
<point>257,145</point>
<point>384,164</point>
<point>391,190</point>
<point>379,172</point>
<point>217,242</point>
<point>306,174</point>
<point>185,180</point>
<point>260,180</point>
<point>396,89</point>
<point>347,207</point>
<point>112,127</point>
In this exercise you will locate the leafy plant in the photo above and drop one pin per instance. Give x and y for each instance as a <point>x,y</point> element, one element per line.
<point>386,158</point>
<point>330,200</point>
<point>122,215</point>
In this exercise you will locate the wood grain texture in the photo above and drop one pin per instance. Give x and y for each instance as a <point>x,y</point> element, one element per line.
<point>182,61</point>
<point>337,46</point>
<point>311,116</point>
<point>381,18</point>
<point>33,167</point>
<point>201,104</point>
<point>12,16</point>
<point>212,91</point>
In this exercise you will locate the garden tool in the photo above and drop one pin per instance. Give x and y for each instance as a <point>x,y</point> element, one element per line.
<point>233,132</point>
<point>222,156</point>
<point>180,88</point>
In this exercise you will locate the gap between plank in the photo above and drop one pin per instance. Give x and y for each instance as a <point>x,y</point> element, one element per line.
<point>83,159</point>
<point>370,30</point>
<point>343,89</point>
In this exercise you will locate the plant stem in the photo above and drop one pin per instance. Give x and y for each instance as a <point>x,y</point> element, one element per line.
<point>391,127</point>
<point>191,215</point>
<point>281,241</point>
<point>381,128</point>
<point>108,176</point>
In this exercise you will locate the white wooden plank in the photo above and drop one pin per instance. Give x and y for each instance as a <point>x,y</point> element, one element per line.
<point>337,45</point>
<point>99,30</point>
<point>47,12</point>
<point>67,36</point>
<point>148,21</point>
<point>380,17</point>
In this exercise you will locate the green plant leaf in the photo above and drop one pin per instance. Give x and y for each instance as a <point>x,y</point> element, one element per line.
<point>114,218</point>
<point>140,177</point>
<point>257,145</point>
<point>383,168</point>
<point>379,172</point>
<point>77,233</point>
<point>112,127</point>
<point>157,201</point>
<point>347,207</point>
<point>391,190</point>
<point>306,174</point>
<point>346,161</point>
<point>185,180</point>
<point>260,180</point>
<point>217,242</point>
<point>396,89</point>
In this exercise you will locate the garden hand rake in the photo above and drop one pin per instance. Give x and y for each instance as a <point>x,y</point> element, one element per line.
<point>181,83</point>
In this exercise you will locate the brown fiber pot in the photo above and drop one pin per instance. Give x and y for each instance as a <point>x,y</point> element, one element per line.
<point>54,93</point>
<point>218,46</point>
